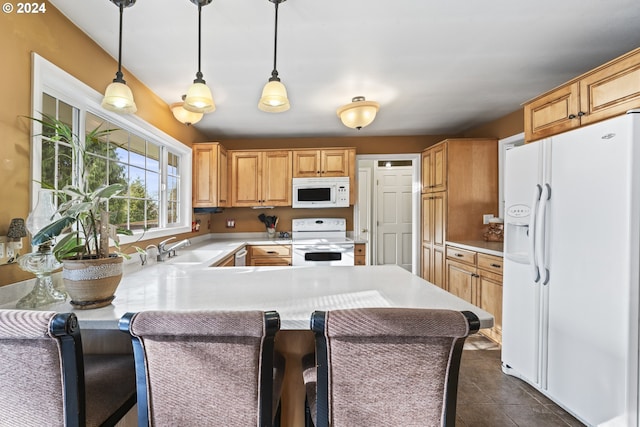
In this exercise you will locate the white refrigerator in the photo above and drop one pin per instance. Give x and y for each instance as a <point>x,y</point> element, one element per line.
<point>571,273</point>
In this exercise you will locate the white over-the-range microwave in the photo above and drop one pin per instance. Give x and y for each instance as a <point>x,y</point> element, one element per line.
<point>321,192</point>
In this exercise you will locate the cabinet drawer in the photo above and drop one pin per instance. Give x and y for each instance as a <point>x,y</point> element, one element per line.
<point>490,263</point>
<point>461,255</point>
<point>271,262</point>
<point>360,249</point>
<point>360,260</point>
<point>270,251</point>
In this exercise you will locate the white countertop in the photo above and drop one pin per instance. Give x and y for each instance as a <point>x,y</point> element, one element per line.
<point>186,282</point>
<point>489,248</point>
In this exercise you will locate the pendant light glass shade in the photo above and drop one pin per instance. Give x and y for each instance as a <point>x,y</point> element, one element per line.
<point>183,115</point>
<point>118,97</point>
<point>359,113</point>
<point>199,99</point>
<point>274,97</point>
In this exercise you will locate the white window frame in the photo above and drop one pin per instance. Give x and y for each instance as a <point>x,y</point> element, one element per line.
<point>48,78</point>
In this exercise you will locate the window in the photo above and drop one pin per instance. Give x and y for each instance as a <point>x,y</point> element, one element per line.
<point>154,168</point>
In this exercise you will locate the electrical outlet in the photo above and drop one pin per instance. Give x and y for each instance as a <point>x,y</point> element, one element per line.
<point>10,251</point>
<point>486,218</point>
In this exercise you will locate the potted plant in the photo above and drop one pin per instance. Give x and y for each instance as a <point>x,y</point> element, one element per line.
<point>90,272</point>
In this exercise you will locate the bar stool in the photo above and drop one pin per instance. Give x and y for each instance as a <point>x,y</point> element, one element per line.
<point>386,366</point>
<point>46,380</point>
<point>204,367</point>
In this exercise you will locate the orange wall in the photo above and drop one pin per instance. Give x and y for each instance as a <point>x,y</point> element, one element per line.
<point>511,124</point>
<point>363,144</point>
<point>53,37</point>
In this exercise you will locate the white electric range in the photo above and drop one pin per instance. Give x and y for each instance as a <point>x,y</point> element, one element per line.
<point>321,242</point>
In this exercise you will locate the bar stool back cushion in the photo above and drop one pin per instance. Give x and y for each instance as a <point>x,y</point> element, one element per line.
<point>389,366</point>
<point>204,367</point>
<point>46,380</point>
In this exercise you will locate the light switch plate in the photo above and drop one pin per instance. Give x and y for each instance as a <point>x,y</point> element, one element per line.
<point>486,218</point>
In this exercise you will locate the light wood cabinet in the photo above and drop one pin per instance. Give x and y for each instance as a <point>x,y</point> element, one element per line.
<point>433,237</point>
<point>434,177</point>
<point>477,278</point>
<point>460,184</point>
<point>360,254</point>
<point>268,255</point>
<point>229,261</point>
<point>260,178</point>
<point>210,175</point>
<point>604,92</point>
<point>325,163</point>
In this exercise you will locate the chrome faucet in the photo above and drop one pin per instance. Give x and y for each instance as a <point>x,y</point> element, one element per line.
<point>171,251</point>
<point>162,251</point>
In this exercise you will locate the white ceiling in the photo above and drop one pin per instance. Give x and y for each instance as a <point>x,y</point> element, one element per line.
<point>435,66</point>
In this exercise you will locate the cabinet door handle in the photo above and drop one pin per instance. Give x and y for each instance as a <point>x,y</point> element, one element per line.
<point>572,116</point>
<point>495,265</point>
<point>458,255</point>
<point>271,252</point>
<point>475,275</point>
<point>581,113</point>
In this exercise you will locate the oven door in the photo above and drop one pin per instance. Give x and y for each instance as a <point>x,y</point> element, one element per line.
<point>314,255</point>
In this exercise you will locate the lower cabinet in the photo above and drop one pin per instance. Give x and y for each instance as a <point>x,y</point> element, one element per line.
<point>268,255</point>
<point>477,278</point>
<point>360,254</point>
<point>229,261</point>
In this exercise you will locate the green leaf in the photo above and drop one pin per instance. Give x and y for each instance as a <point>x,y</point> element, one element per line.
<point>108,191</point>
<point>52,230</point>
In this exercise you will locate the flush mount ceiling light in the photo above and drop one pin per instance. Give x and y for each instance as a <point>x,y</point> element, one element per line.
<point>274,94</point>
<point>184,116</point>
<point>199,98</point>
<point>358,113</point>
<point>118,96</point>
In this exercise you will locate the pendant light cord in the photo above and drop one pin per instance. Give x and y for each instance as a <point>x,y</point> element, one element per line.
<point>199,73</point>
<point>274,73</point>
<point>119,78</point>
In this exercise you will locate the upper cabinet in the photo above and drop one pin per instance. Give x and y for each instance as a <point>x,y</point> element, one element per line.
<point>310,163</point>
<point>260,178</point>
<point>210,175</point>
<point>605,92</point>
<point>434,176</point>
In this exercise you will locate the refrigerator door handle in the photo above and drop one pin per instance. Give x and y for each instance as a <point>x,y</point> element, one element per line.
<point>541,234</point>
<point>533,226</point>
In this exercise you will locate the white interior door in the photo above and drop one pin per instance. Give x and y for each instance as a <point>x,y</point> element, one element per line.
<point>394,218</point>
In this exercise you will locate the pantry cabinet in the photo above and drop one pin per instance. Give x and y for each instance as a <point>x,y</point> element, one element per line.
<point>210,175</point>
<point>477,278</point>
<point>459,186</point>
<point>310,163</point>
<point>607,91</point>
<point>433,237</point>
<point>260,178</point>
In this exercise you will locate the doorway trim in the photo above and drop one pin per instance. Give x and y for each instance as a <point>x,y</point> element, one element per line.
<point>416,188</point>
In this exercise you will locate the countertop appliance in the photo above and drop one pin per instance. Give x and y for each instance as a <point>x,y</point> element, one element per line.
<point>321,242</point>
<point>571,274</point>
<point>330,192</point>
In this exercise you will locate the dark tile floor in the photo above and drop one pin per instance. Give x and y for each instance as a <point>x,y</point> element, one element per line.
<point>487,397</point>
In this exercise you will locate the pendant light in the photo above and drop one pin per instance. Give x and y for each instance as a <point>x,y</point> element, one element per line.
<point>274,94</point>
<point>184,116</point>
<point>199,98</point>
<point>118,96</point>
<point>358,113</point>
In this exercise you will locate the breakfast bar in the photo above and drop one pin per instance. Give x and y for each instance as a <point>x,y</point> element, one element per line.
<point>294,292</point>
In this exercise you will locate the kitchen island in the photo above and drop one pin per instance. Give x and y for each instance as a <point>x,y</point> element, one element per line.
<point>186,282</point>
<point>294,292</point>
